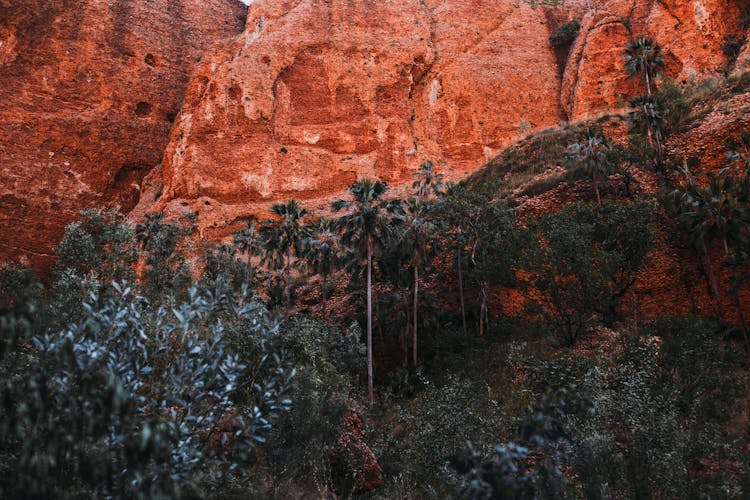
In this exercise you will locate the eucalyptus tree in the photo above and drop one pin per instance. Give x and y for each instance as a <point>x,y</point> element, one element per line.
<point>643,57</point>
<point>494,243</point>
<point>455,211</point>
<point>739,157</point>
<point>366,229</point>
<point>322,253</point>
<point>590,154</point>
<point>486,233</point>
<point>418,242</point>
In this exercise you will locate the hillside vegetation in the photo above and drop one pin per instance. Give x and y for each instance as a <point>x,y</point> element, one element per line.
<point>516,335</point>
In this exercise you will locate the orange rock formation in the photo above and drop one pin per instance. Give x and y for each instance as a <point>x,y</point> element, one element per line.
<point>89,91</point>
<point>317,93</point>
<point>311,95</point>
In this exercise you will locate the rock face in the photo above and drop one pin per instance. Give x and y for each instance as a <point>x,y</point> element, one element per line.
<point>690,32</point>
<point>353,460</point>
<point>89,91</point>
<point>317,93</point>
<point>300,97</point>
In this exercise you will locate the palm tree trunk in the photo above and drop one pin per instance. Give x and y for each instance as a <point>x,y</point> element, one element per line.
<point>712,282</point>
<point>370,390</point>
<point>648,82</point>
<point>404,343</point>
<point>416,305</point>
<point>461,290</point>
<point>657,136</point>
<point>596,190</point>
<point>288,280</point>
<point>483,309</point>
<point>325,296</point>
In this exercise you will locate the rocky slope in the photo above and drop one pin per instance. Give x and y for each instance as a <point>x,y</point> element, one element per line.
<point>89,91</point>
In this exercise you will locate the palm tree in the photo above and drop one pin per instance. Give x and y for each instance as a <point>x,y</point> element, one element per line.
<point>643,56</point>
<point>457,212</point>
<point>366,229</point>
<point>419,243</point>
<point>247,240</point>
<point>591,155</point>
<point>282,240</point>
<point>323,254</point>
<point>712,211</point>
<point>646,115</point>
<point>427,181</point>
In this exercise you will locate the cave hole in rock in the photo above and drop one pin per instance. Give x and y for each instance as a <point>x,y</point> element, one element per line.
<point>150,59</point>
<point>143,109</point>
<point>124,187</point>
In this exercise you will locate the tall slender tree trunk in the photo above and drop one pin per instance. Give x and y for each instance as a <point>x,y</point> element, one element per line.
<point>483,310</point>
<point>596,189</point>
<point>404,331</point>
<point>657,136</point>
<point>461,289</point>
<point>288,280</point>
<point>370,389</point>
<point>713,283</point>
<point>325,296</point>
<point>648,82</point>
<point>416,306</point>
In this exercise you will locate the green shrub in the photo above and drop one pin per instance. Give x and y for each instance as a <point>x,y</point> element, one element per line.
<point>136,400</point>
<point>582,261</point>
<point>565,35</point>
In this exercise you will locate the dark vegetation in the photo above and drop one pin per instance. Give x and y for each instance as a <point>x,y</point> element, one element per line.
<point>130,374</point>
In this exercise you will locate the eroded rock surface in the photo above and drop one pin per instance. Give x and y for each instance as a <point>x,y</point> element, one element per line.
<point>300,97</point>
<point>690,32</point>
<point>318,93</point>
<point>89,91</point>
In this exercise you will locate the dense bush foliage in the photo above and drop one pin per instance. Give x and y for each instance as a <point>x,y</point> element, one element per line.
<point>139,399</point>
<point>583,260</point>
<point>566,34</point>
<point>153,365</point>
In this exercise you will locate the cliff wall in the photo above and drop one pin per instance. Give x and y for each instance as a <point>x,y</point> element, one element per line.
<point>89,91</point>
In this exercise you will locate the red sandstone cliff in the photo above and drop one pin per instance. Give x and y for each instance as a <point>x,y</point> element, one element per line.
<point>89,91</point>
<point>311,95</point>
<point>316,93</point>
<point>690,32</point>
